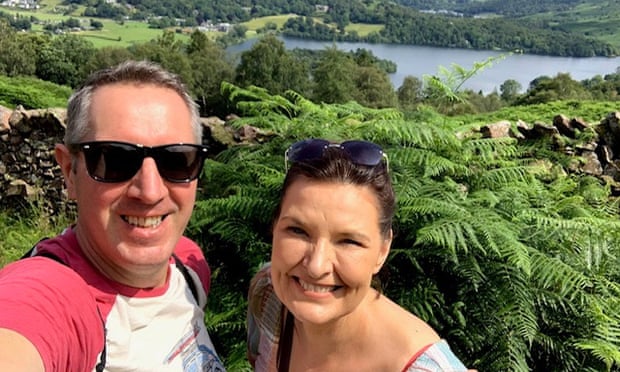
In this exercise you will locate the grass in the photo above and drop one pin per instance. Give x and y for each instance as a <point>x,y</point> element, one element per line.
<point>123,35</point>
<point>363,29</point>
<point>258,23</point>
<point>21,231</point>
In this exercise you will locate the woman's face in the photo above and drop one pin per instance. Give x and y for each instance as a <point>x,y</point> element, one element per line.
<point>327,245</point>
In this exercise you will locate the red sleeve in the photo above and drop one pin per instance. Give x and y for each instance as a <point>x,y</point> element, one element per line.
<point>50,305</point>
<point>191,255</point>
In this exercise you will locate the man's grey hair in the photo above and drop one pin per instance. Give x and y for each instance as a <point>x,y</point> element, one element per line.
<point>132,72</point>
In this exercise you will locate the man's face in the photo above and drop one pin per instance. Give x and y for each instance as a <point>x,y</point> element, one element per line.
<point>132,227</point>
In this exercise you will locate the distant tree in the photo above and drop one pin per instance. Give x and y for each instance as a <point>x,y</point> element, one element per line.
<point>268,65</point>
<point>97,25</point>
<point>21,23</point>
<point>65,60</point>
<point>109,56</point>
<point>509,90</point>
<point>168,52</point>
<point>18,56</point>
<point>238,31</point>
<point>333,77</point>
<point>72,23</point>
<point>480,103</point>
<point>374,88</point>
<point>409,93</point>
<point>560,87</point>
<point>210,66</point>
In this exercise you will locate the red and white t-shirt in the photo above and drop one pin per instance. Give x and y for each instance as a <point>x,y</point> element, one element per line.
<point>56,307</point>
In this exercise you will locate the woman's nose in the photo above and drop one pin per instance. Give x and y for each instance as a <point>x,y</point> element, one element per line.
<point>319,259</point>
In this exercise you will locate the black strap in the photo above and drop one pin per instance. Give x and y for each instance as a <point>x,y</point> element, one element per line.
<point>286,342</point>
<point>188,278</point>
<point>102,357</point>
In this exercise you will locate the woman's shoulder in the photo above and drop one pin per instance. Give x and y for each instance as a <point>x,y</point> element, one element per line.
<point>426,350</point>
<point>406,325</point>
<point>436,357</point>
<point>412,342</point>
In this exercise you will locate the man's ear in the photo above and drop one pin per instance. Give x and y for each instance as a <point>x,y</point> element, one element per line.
<point>384,251</point>
<point>65,160</point>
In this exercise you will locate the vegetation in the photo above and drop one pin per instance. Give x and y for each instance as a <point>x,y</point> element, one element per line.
<point>508,255</point>
<point>519,26</point>
<point>406,26</point>
<point>20,231</point>
<point>32,93</point>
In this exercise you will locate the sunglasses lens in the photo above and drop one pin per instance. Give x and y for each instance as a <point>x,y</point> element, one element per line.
<point>119,162</point>
<point>179,163</point>
<point>363,152</point>
<point>112,162</point>
<point>306,150</point>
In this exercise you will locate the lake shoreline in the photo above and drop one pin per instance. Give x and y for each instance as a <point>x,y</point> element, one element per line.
<point>418,61</point>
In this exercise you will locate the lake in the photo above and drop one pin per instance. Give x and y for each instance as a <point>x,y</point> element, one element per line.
<point>421,60</point>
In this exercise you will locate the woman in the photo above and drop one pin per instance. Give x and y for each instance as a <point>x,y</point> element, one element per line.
<point>314,308</point>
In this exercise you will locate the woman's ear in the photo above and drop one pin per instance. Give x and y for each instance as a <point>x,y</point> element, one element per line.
<point>384,251</point>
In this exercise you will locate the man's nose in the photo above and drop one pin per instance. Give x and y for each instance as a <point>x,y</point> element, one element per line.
<point>148,185</point>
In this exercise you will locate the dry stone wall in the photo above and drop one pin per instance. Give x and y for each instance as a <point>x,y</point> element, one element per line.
<point>28,169</point>
<point>27,165</point>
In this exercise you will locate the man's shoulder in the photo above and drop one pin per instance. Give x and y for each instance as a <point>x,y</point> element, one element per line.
<point>190,254</point>
<point>186,247</point>
<point>48,303</point>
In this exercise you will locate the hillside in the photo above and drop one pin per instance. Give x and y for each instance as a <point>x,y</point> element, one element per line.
<point>549,27</point>
<point>592,18</point>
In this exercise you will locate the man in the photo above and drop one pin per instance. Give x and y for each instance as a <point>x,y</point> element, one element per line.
<point>114,290</point>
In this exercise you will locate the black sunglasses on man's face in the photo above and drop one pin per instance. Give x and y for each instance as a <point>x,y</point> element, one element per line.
<point>114,161</point>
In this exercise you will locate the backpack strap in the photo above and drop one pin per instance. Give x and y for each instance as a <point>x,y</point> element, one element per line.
<point>188,278</point>
<point>286,342</point>
<point>32,252</point>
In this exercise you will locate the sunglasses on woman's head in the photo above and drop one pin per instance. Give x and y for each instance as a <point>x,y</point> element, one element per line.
<point>113,161</point>
<point>359,152</point>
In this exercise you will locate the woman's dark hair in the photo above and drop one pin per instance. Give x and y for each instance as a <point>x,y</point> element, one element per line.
<point>335,166</point>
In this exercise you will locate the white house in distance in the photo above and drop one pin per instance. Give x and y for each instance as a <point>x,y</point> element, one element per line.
<point>22,4</point>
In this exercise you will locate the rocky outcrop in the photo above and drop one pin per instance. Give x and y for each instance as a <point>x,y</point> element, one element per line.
<point>596,148</point>
<point>28,169</point>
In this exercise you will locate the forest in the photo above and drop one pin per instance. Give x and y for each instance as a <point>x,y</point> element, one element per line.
<point>400,23</point>
<point>511,9</point>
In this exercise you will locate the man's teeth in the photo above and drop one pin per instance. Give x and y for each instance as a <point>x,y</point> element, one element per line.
<point>144,221</point>
<point>316,288</point>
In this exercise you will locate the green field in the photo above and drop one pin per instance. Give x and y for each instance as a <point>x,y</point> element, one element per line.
<point>258,23</point>
<point>113,33</point>
<point>596,20</point>
<point>123,35</point>
<point>363,29</point>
